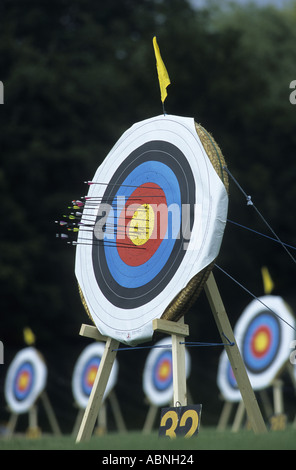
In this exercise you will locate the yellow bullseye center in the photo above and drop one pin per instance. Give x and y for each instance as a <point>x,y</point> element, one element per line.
<point>164,370</point>
<point>23,381</point>
<point>92,375</point>
<point>141,225</point>
<point>261,341</point>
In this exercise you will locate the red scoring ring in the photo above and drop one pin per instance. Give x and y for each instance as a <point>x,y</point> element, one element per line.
<point>91,374</point>
<point>135,255</point>
<point>23,381</point>
<point>262,330</point>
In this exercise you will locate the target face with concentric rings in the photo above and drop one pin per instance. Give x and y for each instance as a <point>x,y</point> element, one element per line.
<point>25,380</point>
<point>264,338</point>
<point>158,209</point>
<point>158,373</point>
<point>261,342</point>
<point>141,265</point>
<point>85,372</point>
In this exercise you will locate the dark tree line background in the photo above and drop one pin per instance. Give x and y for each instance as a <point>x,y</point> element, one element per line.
<point>77,74</point>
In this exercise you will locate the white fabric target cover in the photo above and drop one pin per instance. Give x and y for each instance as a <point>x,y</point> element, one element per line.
<point>129,279</point>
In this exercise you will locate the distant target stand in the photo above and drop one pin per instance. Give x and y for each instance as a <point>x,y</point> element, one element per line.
<point>158,379</point>
<point>84,374</point>
<point>151,228</point>
<point>264,336</point>
<point>24,384</point>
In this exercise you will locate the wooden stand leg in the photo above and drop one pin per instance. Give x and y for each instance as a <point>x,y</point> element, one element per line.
<point>234,356</point>
<point>50,414</point>
<point>11,425</point>
<point>238,417</point>
<point>291,371</point>
<point>278,397</point>
<point>117,412</point>
<point>179,369</point>
<point>101,428</point>
<point>150,418</point>
<point>266,404</point>
<point>225,415</point>
<point>98,390</point>
<point>178,331</point>
<point>77,423</point>
<point>33,430</point>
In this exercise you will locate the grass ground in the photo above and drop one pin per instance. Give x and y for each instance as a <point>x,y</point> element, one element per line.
<point>207,439</point>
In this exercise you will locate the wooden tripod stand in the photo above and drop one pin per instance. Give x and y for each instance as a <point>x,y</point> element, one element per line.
<point>178,331</point>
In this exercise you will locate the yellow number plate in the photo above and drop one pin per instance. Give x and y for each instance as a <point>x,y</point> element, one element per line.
<point>181,421</point>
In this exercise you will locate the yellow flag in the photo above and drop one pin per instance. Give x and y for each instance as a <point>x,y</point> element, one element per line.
<point>29,336</point>
<point>163,77</point>
<point>267,281</point>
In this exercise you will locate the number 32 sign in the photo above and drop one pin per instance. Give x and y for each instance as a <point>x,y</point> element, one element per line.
<point>181,421</point>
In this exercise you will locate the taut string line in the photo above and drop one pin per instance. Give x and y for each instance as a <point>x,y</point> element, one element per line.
<point>169,346</point>
<point>250,203</point>
<point>261,234</point>
<point>254,296</point>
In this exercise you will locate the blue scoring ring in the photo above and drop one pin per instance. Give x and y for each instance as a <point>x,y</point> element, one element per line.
<point>136,276</point>
<point>25,368</point>
<point>162,383</point>
<point>94,362</point>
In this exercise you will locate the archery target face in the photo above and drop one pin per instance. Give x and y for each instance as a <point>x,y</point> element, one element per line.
<point>264,339</point>
<point>226,380</point>
<point>158,373</point>
<point>85,372</point>
<point>25,380</point>
<point>158,219</point>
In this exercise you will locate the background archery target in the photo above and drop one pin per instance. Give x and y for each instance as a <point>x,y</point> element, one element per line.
<point>159,220</point>
<point>226,380</point>
<point>25,380</point>
<point>264,339</point>
<point>158,373</point>
<point>85,372</point>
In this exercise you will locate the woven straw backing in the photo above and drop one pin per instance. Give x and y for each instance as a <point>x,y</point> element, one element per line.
<point>84,303</point>
<point>187,296</point>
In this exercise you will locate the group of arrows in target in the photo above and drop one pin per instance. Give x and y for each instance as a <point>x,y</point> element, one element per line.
<point>137,221</point>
